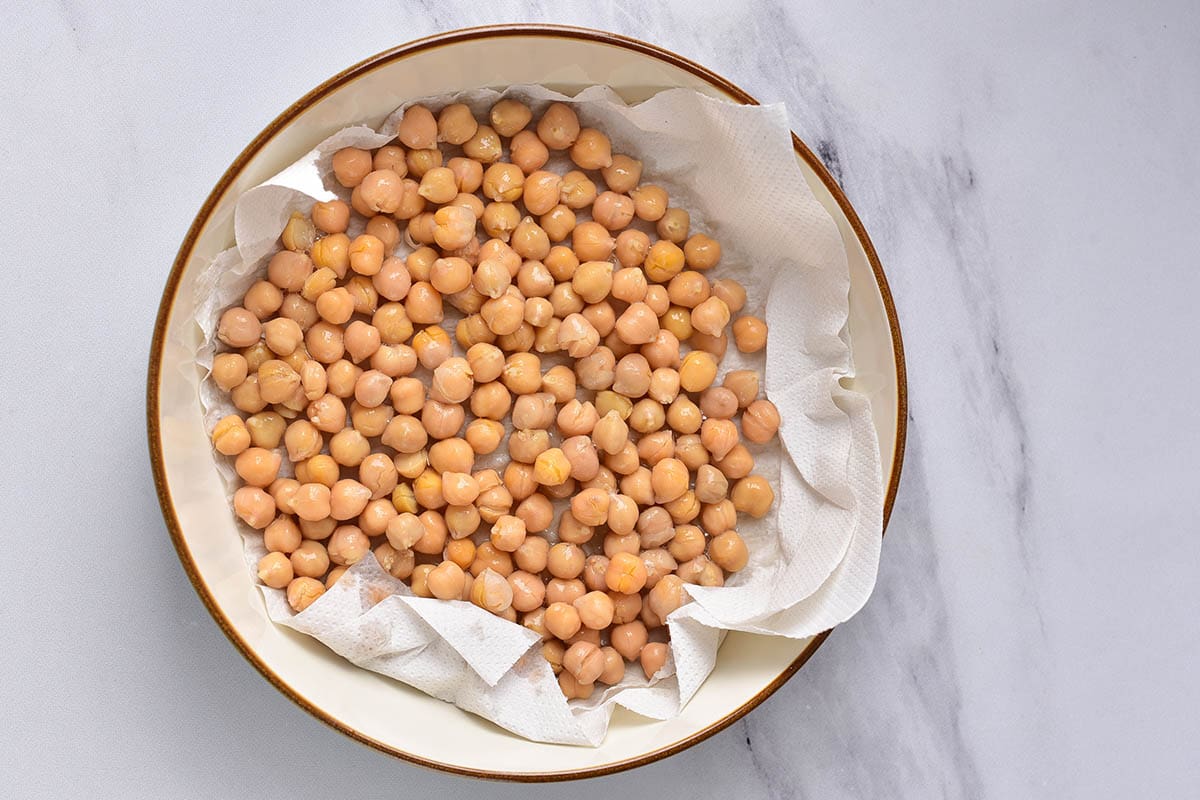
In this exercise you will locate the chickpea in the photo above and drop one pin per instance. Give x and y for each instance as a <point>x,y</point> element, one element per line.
<point>423,304</point>
<point>594,569</point>
<point>491,592</point>
<point>282,535</point>
<point>504,314</point>
<point>500,220</point>
<point>711,485</point>
<point>673,225</point>
<point>615,212</point>
<point>263,299</point>
<point>418,129</point>
<point>562,620</point>
<point>591,150</point>
<point>629,638</point>
<point>419,580</point>
<point>461,552</point>
<point>687,543</point>
<point>702,571</point>
<point>484,435</point>
<point>522,373</point>
<point>718,517</point>
<point>239,328</point>
<point>519,480</point>
<point>526,445</point>
<point>718,436</point>
<point>631,377</point>
<point>347,499</point>
<point>637,485</point>
<point>529,241</point>
<point>229,370</point>
<point>446,581</point>
<point>254,507</point>
<point>404,530</point>
<point>257,466</point>
<point>528,591</point>
<point>461,520</point>
<point>371,388</point>
<point>537,512</point>
<point>456,124</point>
<point>376,516</point>
<point>433,535</point>
<point>348,545</point>
<point>716,345</point>
<point>349,447</point>
<point>626,573</point>
<point>472,330</point>
<point>592,242</point>
<point>230,436</point>
<point>317,529</point>
<point>654,656</point>
<point>411,465</point>
<point>246,396</point>
<point>760,422</point>
<point>622,174</point>
<point>459,488</point>
<point>350,166</point>
<point>432,346</point>
<point>519,341</point>
<point>753,495</point>
<point>405,434</point>
<point>559,222</point>
<point>532,554</point>
<point>595,611</point>
<point>698,371</point>
<point>491,278</point>
<point>711,316</point>
<point>659,563</point>
<point>310,559</point>
<point>551,468</point>
<point>302,592</point>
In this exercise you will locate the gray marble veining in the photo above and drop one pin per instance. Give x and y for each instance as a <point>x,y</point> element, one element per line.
<point>1029,174</point>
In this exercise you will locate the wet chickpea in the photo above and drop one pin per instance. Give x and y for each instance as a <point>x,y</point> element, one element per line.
<point>350,166</point>
<point>728,551</point>
<point>584,662</point>
<point>750,334</point>
<point>528,152</point>
<point>317,530</point>
<point>461,552</point>
<point>760,421</point>
<point>687,543</point>
<point>613,211</point>
<point>647,416</point>
<point>551,468</point>
<point>491,591</point>
<point>718,436</point>
<point>432,346</point>
<point>562,620</point>
<point>595,610</point>
<point>446,581</point>
<point>302,592</point>
<point>472,330</point>
<point>229,370</point>
<point>461,520</point>
<point>664,260</point>
<point>419,580</point>
<point>246,396</point>
<point>239,328</point>
<point>528,591</point>
<point>688,289</point>
<point>499,220</point>
<point>522,373</point>
<point>418,128</point>
<point>404,530</point>
<point>697,371</point>
<point>631,376</point>
<point>257,466</point>
<point>538,312</point>
<point>456,124</point>
<point>347,545</point>
<point>452,455</point>
<point>491,278</point>
<point>411,465</point>
<point>361,340</point>
<point>484,146</point>
<point>230,436</point>
<point>637,485</point>
<point>561,262</point>
<point>653,657</point>
<point>626,573</point>
<point>525,446</point>
<point>386,231</point>
<point>529,240</point>
<point>370,422</point>
<point>629,638</point>
<point>376,516</point>
<point>737,464</point>
<point>519,480</point>
<point>310,559</point>
<point>504,314</point>
<point>347,499</point>
<point>282,535</point>
<point>577,418</point>
<point>390,157</point>
<point>484,435</point>
<point>537,512</point>
<point>577,336</point>
<point>650,202</point>
<point>591,150</point>
<point>328,217</point>
<point>659,563</point>
<point>371,388</point>
<point>421,161</point>
<point>521,340</point>
<point>263,299</point>
<point>542,190</point>
<point>254,507</point>
<point>592,242</point>
<point>743,383</point>
<point>752,495</point>
<point>433,535</point>
<point>558,223</point>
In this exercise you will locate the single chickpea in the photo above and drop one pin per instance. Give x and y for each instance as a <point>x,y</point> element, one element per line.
<point>581,454</point>
<point>442,420</point>
<point>390,157</point>
<point>760,422</point>
<point>263,299</point>
<point>590,506</point>
<point>461,552</point>
<point>347,499</point>
<point>230,436</point>
<point>518,479</point>
<point>716,345</point>
<point>728,551</point>
<point>711,485</point>
<point>528,591</point>
<point>673,225</point>
<point>562,620</point>
<point>330,217</point>
<point>577,418</point>
<point>504,314</point>
<point>718,436</point>
<point>559,127</point>
<point>612,210</point>
<point>626,573</point>
<point>664,389</point>
<point>376,516</point>
<point>485,146</point>
<point>538,311</point>
<point>684,508</point>
<point>434,533</point>
<point>405,434</point>
<point>381,191</point>
<point>432,346</point>
<point>750,334</point>
<point>446,581</point>
<point>462,521</point>
<point>452,381</point>
<point>239,328</point>
<point>472,330</point>
<point>418,128</point>
<point>591,150</point>
<point>521,340</point>
<point>529,240</point>
<point>317,530</point>
<point>537,512</point>
<point>631,377</point>
<point>698,371</point>
<point>684,416</point>
<point>604,480</point>
<point>456,124</point>
<point>302,592</point>
<point>361,340</point>
<point>509,116</point>
<point>504,183</point>
<point>753,495</point>
<point>453,227</point>
<point>610,433</point>
<point>558,223</point>
<point>508,533</point>
<point>594,569</point>
<point>595,611</point>
<point>499,220</point>
<point>372,388</point>
<point>229,370</point>
<point>711,316</point>
<point>424,304</point>
<point>385,230</point>
<point>257,466</point>
<point>491,401</point>
<point>719,402</point>
<point>623,462</point>
<point>545,339</point>
<point>246,396</point>
<point>348,545</point>
<point>331,253</point>
<point>525,446</point>
<point>419,580</point>
<point>623,174</point>
<point>310,559</point>
<point>491,278</point>
<point>637,485</point>
<point>350,166</point>
<point>664,260</point>
<point>522,373</point>
<point>370,422</point>
<point>654,528</point>
<point>458,488</point>
<point>653,657</point>
<point>254,507</point>
<point>551,468</point>
<point>527,151</point>
<point>688,289</point>
<point>573,531</point>
<point>702,252</point>
<point>282,535</point>
<point>484,435</point>
<point>718,517</point>
<point>491,591</point>
<point>404,530</point>
<point>659,563</point>
<point>411,465</point>
<point>349,447</point>
<point>407,395</point>
<point>584,661</point>
<point>561,262</point>
<point>592,242</point>
<point>366,254</point>
<point>650,202</point>
<point>629,638</point>
<point>687,543</point>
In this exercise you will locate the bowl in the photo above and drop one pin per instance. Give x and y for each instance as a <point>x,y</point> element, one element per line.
<point>366,706</point>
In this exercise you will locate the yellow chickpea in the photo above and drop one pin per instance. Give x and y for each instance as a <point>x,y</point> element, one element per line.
<point>350,166</point>
<point>230,436</point>
<point>719,437</point>
<point>485,146</point>
<point>484,435</point>
<point>673,225</point>
<point>592,242</point>
<point>631,377</point>
<point>468,173</point>
<point>504,314</point>
<point>697,371</point>
<point>650,202</point>
<point>591,150</point>
<point>664,260</point>
<point>500,220</point>
<point>760,421</point>
<point>529,240</point>
<point>442,420</point>
<point>613,211</point>
<point>424,304</point>
<point>508,534</point>
<point>492,592</point>
<point>750,334</point>
<point>528,152</point>
<point>418,128</point>
<point>331,217</point>
<point>752,495</point>
<point>432,346</point>
<point>623,174</point>
<point>456,124</point>
<point>559,127</point>
<point>522,373</point>
<point>302,592</point>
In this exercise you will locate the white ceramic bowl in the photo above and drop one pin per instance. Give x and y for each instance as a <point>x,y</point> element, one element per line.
<point>368,707</point>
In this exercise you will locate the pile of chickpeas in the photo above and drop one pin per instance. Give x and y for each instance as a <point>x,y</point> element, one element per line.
<point>582,316</point>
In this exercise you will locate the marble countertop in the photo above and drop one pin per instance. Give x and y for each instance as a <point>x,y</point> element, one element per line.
<point>1029,173</point>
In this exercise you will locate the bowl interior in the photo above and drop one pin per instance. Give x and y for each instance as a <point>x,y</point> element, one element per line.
<point>363,704</point>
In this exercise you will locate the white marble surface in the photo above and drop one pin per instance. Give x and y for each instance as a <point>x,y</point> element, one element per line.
<point>1029,172</point>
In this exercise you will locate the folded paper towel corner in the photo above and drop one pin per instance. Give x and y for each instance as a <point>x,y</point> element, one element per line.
<point>813,559</point>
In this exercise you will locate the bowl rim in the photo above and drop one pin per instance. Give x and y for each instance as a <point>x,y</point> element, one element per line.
<point>221,187</point>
